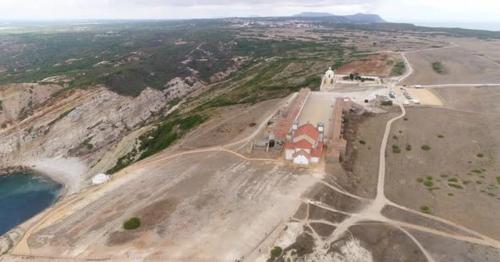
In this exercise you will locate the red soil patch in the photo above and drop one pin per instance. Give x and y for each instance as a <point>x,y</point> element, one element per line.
<point>378,65</point>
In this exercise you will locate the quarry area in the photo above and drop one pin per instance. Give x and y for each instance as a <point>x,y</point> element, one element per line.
<point>391,157</point>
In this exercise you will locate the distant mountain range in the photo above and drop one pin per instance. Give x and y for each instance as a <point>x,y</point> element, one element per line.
<point>357,18</point>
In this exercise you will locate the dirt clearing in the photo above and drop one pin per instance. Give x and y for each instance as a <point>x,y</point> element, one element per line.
<point>220,204</point>
<point>375,65</point>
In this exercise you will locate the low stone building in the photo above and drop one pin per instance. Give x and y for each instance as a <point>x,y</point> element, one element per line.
<point>336,143</point>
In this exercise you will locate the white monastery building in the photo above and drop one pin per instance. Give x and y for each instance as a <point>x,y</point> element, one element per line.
<point>306,144</point>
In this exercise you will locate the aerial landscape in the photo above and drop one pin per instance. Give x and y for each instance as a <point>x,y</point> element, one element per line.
<point>169,131</point>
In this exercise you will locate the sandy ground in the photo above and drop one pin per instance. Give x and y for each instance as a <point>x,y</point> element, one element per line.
<point>464,151</point>
<point>319,106</point>
<point>376,238</point>
<point>207,206</point>
<point>317,109</point>
<point>66,171</point>
<point>425,96</point>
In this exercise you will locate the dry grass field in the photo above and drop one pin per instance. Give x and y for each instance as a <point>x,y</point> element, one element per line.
<point>364,135</point>
<point>471,62</point>
<point>445,161</point>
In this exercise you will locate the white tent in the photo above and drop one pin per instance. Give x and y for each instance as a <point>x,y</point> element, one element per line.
<point>100,178</point>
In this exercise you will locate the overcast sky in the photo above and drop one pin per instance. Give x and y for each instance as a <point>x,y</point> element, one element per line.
<point>464,11</point>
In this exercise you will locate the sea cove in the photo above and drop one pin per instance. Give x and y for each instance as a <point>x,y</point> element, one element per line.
<point>24,194</point>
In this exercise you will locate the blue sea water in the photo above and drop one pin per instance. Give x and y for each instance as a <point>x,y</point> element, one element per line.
<point>491,26</point>
<point>23,195</point>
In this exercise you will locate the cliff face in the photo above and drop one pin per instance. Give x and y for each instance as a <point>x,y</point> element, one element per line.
<point>42,122</point>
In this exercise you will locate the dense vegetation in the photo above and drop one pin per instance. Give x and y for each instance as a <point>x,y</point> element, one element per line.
<point>126,58</point>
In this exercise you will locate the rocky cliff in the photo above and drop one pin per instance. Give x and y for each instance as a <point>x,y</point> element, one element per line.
<point>39,123</point>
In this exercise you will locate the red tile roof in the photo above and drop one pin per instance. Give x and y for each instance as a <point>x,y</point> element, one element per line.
<point>303,144</point>
<point>308,130</point>
<point>284,124</point>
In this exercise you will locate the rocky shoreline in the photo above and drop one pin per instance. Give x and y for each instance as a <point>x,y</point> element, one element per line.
<point>9,170</point>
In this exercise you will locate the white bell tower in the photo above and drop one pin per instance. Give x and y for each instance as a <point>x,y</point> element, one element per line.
<point>328,81</point>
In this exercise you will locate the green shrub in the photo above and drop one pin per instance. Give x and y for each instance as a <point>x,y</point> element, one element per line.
<point>276,252</point>
<point>396,149</point>
<point>498,180</point>
<point>426,147</point>
<point>362,142</point>
<point>438,67</point>
<point>428,183</point>
<point>480,155</point>
<point>425,209</point>
<point>190,122</point>
<point>132,223</point>
<point>457,186</point>
<point>420,180</point>
<point>386,103</point>
<point>399,68</point>
<point>453,179</point>
<point>440,136</point>
<point>408,147</point>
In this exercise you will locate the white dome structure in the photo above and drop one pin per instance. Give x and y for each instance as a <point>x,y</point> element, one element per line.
<point>100,179</point>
